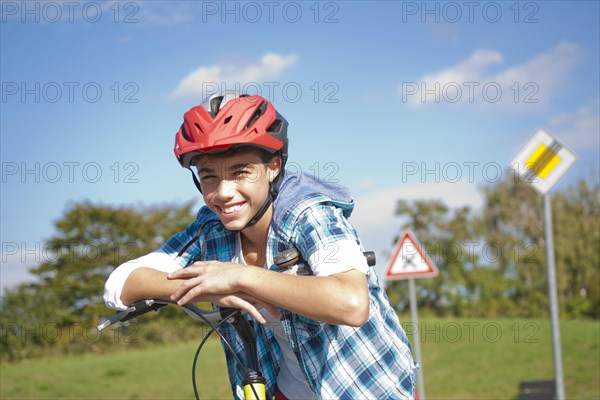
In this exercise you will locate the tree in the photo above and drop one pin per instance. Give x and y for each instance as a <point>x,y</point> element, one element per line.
<point>492,263</point>
<point>91,240</point>
<point>512,216</point>
<point>577,240</point>
<point>513,212</point>
<point>443,233</point>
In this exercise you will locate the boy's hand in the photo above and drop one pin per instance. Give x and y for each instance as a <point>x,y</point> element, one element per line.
<point>246,303</point>
<point>217,280</point>
<point>206,277</point>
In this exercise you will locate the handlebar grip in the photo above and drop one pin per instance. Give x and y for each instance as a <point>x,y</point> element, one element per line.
<point>142,307</point>
<point>370,256</point>
<point>291,256</point>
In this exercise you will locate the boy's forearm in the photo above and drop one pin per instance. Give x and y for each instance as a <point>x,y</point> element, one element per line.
<point>144,283</point>
<point>337,299</point>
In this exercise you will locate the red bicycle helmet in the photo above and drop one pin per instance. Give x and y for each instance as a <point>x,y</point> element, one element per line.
<point>243,121</point>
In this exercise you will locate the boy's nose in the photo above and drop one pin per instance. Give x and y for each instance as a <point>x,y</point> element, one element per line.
<point>226,190</point>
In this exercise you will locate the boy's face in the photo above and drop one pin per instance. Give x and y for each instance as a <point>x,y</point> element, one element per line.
<point>236,186</point>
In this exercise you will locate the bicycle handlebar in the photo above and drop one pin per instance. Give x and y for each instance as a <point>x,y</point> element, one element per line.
<point>147,305</point>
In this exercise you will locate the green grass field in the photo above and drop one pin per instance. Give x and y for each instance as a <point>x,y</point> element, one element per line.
<point>462,359</point>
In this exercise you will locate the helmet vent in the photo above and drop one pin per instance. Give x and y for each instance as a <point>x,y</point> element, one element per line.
<point>275,126</point>
<point>197,125</point>
<point>184,133</point>
<point>215,105</point>
<point>260,110</point>
<point>227,119</point>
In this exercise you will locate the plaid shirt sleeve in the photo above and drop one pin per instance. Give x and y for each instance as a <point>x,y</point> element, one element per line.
<point>203,224</point>
<point>369,362</point>
<point>327,241</point>
<point>165,259</point>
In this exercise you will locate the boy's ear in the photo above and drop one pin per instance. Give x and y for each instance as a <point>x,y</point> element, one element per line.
<point>274,168</point>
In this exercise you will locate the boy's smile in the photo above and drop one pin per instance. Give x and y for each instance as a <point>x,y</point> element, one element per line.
<point>231,209</point>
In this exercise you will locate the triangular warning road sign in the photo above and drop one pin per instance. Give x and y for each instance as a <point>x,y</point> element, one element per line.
<point>410,260</point>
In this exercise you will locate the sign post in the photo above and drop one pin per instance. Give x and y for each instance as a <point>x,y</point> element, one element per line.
<point>412,293</point>
<point>410,261</point>
<point>541,162</point>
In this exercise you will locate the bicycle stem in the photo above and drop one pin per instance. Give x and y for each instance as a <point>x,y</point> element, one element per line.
<point>254,384</point>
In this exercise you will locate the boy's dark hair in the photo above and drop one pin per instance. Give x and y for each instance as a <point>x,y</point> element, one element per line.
<point>265,156</point>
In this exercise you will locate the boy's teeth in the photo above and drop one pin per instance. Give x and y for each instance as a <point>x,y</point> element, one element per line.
<point>229,210</point>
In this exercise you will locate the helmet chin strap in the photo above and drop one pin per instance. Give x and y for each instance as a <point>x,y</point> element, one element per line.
<point>273,192</point>
<point>196,182</point>
<point>260,212</point>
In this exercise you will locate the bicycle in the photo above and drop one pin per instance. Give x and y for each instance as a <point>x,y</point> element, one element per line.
<point>254,385</point>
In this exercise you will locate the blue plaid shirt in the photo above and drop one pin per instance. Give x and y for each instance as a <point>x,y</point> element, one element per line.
<point>373,361</point>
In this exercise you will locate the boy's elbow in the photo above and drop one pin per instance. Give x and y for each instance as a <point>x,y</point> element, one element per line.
<point>358,311</point>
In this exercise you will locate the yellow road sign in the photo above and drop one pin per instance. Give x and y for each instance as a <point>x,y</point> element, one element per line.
<point>542,161</point>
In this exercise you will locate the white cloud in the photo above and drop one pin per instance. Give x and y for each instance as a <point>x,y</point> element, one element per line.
<point>377,225</point>
<point>378,208</point>
<point>532,84</point>
<point>470,69</point>
<point>205,80</point>
<point>579,129</point>
<point>366,184</point>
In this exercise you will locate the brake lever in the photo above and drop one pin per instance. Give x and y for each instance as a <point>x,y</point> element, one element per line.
<point>133,311</point>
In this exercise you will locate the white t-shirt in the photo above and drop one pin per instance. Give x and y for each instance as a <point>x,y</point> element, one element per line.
<point>291,380</point>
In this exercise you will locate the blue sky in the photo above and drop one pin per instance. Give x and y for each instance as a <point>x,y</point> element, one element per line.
<point>392,99</point>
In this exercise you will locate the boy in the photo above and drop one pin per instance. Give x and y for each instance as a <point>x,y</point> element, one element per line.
<point>328,334</point>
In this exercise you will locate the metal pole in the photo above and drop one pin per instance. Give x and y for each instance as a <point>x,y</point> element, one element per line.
<point>552,292</point>
<point>416,337</point>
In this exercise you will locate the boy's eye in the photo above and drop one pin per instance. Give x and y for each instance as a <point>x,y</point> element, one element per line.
<point>250,175</point>
<point>208,178</point>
